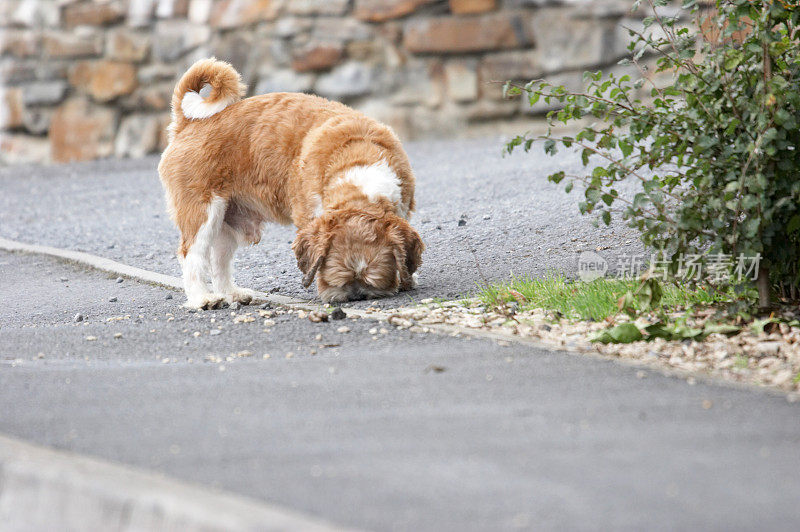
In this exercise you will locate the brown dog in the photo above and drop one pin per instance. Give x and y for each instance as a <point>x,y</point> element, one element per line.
<point>342,178</point>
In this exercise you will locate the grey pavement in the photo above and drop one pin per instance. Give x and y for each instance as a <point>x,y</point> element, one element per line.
<point>517,223</point>
<point>402,432</point>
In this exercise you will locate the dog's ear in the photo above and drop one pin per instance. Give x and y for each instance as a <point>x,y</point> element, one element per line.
<point>310,247</point>
<point>408,248</point>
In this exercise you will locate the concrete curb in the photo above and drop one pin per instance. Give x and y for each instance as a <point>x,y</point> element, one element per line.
<point>139,274</point>
<point>123,270</point>
<point>46,489</point>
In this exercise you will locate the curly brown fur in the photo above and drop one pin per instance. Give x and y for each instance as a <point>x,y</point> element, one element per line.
<point>342,178</point>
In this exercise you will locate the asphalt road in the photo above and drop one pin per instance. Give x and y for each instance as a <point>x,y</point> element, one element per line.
<point>401,432</point>
<point>517,223</point>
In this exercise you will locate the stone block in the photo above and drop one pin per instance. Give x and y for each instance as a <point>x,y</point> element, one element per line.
<point>137,136</point>
<point>81,42</point>
<point>150,73</point>
<point>126,45</point>
<point>462,80</point>
<point>317,7</point>
<point>172,8</point>
<point>7,10</point>
<point>23,149</point>
<point>347,81</point>
<point>81,131</point>
<point>19,43</point>
<point>141,13</point>
<point>328,29</point>
<point>44,92</point>
<point>419,83</point>
<point>383,10</point>
<point>484,110</point>
<point>373,50</point>
<point>11,107</point>
<point>36,120</point>
<point>279,52</point>
<point>30,13</point>
<point>150,97</point>
<point>287,26</point>
<point>461,7</point>
<point>317,57</point>
<point>284,80</point>
<point>397,118</point>
<point>455,34</point>
<point>200,11</point>
<point>513,65</point>
<point>93,13</point>
<point>235,48</point>
<point>174,38</point>
<point>13,70</point>
<point>226,14</point>
<point>445,122</point>
<point>567,41</point>
<point>104,80</point>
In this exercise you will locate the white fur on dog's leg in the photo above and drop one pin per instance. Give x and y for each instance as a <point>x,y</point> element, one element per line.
<point>207,301</point>
<point>196,263</point>
<point>222,251</point>
<point>245,296</point>
<point>414,280</point>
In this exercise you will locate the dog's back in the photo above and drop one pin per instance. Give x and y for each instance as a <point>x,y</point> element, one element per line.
<point>225,146</point>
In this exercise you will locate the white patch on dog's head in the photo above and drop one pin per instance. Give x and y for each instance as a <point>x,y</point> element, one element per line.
<point>360,266</point>
<point>375,181</point>
<point>195,106</point>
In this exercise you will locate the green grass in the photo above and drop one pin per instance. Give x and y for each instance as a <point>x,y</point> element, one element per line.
<point>595,300</point>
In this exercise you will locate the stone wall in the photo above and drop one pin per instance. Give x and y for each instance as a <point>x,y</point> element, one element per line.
<point>83,79</point>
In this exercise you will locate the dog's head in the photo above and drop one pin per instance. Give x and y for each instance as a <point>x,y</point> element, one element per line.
<point>357,255</point>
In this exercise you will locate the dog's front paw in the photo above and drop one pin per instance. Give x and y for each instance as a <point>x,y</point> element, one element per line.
<point>206,302</point>
<point>410,283</point>
<point>244,296</point>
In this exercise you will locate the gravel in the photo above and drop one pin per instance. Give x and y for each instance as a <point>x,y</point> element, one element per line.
<point>769,359</point>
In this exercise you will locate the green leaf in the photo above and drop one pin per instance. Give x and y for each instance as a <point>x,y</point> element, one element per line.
<point>624,333</point>
<point>627,303</point>
<point>721,328</point>
<point>761,326</point>
<point>649,293</point>
<point>585,154</point>
<point>593,195</point>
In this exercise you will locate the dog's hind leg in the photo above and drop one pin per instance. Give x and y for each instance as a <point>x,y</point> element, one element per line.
<point>222,251</point>
<point>196,247</point>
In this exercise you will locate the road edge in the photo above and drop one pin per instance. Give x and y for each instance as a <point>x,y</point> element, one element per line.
<point>124,270</point>
<point>139,274</point>
<point>48,489</point>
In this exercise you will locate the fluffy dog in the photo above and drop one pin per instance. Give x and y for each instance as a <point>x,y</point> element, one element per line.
<point>342,178</point>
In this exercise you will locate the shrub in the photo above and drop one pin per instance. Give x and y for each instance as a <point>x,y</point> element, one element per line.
<point>714,151</point>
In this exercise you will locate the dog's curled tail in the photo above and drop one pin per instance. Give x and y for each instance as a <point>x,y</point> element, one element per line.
<point>208,87</point>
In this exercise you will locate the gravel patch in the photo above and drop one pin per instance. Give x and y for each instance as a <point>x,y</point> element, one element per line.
<point>770,359</point>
